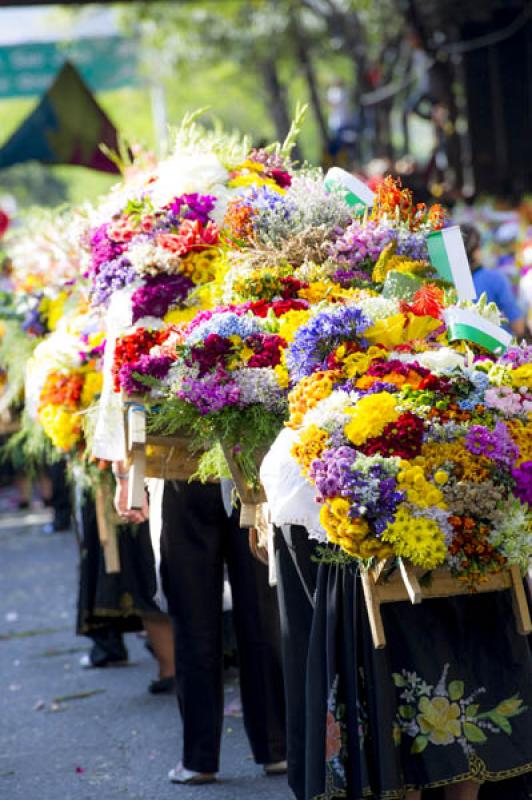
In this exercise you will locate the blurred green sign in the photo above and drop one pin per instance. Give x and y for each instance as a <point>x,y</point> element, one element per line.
<point>104,63</point>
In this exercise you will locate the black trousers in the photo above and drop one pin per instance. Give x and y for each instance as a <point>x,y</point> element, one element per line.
<point>296,575</point>
<point>196,538</point>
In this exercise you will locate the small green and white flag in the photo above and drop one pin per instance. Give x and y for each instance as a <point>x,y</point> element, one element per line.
<point>447,253</point>
<point>356,193</point>
<point>464,323</point>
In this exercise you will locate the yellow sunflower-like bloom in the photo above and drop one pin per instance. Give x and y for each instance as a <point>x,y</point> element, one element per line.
<point>370,416</point>
<point>419,539</point>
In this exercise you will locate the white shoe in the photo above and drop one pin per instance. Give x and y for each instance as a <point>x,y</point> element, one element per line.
<point>183,775</point>
<point>276,768</point>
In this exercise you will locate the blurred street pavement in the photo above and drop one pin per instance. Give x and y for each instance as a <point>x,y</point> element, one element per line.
<point>119,741</point>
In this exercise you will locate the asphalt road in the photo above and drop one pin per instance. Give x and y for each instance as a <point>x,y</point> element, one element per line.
<point>117,741</point>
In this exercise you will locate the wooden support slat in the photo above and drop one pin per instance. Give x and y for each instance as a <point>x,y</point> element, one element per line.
<point>403,584</point>
<point>411,582</point>
<point>137,473</point>
<point>107,531</point>
<point>520,602</point>
<point>373,606</point>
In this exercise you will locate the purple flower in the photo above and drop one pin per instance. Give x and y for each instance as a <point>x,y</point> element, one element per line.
<point>102,248</point>
<point>192,206</point>
<point>360,245</point>
<point>111,277</point>
<point>497,444</point>
<point>152,366</point>
<point>212,392</point>
<point>372,493</point>
<point>158,294</point>
<point>523,482</point>
<point>517,356</point>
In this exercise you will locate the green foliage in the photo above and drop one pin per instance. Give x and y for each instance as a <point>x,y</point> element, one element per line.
<point>16,349</point>
<point>29,449</point>
<point>212,465</point>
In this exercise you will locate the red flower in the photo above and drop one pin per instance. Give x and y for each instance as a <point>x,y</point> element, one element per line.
<point>4,222</point>
<point>281,178</point>
<point>192,235</point>
<point>267,350</point>
<point>428,301</point>
<point>402,438</point>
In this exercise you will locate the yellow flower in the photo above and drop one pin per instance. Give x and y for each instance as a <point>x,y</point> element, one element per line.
<point>95,339</point>
<point>419,490</point>
<point>439,720</point>
<point>357,364</point>
<point>400,328</point>
<point>91,388</point>
<point>418,539</point>
<point>290,323</point>
<point>62,427</point>
<point>370,416</point>
<point>441,477</point>
<point>55,310</point>
<point>310,445</point>
<point>179,315</point>
<point>510,707</point>
<point>201,267</point>
<point>350,534</point>
<point>308,393</point>
<point>283,378</point>
<point>522,376</point>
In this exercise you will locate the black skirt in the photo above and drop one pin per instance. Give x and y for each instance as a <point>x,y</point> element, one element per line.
<point>449,699</point>
<point>116,600</point>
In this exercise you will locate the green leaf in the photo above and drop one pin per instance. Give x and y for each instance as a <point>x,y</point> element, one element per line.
<point>399,680</point>
<point>420,742</point>
<point>473,733</point>
<point>501,721</point>
<point>472,710</point>
<point>407,712</point>
<point>456,690</point>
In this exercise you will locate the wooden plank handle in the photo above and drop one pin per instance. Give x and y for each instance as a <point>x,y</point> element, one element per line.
<point>107,529</point>
<point>411,582</point>
<point>371,596</point>
<point>137,473</point>
<point>520,602</point>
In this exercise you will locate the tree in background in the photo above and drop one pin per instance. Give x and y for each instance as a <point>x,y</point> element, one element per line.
<point>286,50</point>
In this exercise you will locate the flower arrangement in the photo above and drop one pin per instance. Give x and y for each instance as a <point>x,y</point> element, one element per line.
<point>65,380</point>
<point>414,457</point>
<point>226,381</point>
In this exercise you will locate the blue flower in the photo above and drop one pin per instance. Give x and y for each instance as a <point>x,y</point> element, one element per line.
<point>315,341</point>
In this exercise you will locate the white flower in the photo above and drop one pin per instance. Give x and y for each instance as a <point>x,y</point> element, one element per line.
<point>185,173</point>
<point>441,361</point>
<point>375,308</point>
<point>329,413</point>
